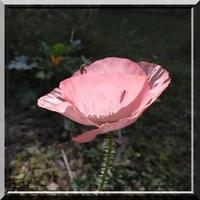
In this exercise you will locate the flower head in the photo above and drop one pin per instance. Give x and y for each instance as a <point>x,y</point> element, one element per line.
<point>111,94</point>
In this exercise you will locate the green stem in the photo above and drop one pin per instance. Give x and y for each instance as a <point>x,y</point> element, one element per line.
<point>107,162</point>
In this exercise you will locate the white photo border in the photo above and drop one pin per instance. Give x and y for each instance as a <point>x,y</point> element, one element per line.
<point>2,103</point>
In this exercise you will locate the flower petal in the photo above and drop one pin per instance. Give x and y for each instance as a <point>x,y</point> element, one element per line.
<point>55,101</point>
<point>87,136</point>
<point>157,76</point>
<point>104,128</point>
<point>112,64</point>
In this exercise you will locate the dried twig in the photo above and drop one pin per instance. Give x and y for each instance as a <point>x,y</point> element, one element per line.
<point>67,165</point>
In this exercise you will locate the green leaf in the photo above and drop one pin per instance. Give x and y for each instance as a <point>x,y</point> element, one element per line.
<point>38,172</point>
<point>32,149</point>
<point>44,49</point>
<point>40,75</point>
<point>58,49</point>
<point>76,42</point>
<point>68,125</point>
<point>43,182</point>
<point>49,74</point>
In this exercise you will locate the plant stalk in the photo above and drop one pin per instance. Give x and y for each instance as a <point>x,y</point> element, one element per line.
<point>106,164</point>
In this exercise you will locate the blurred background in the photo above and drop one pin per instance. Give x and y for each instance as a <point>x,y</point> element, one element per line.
<point>45,45</point>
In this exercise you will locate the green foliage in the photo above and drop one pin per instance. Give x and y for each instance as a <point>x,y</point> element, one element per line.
<point>80,184</point>
<point>52,65</point>
<point>58,49</point>
<point>69,127</point>
<point>30,171</point>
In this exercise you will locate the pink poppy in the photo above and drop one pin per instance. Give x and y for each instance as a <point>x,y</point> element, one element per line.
<point>110,94</point>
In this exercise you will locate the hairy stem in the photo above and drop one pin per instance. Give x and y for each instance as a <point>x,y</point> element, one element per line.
<point>106,164</point>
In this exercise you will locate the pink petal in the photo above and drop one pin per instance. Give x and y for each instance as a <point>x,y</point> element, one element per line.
<point>104,128</point>
<point>55,101</point>
<point>157,76</point>
<point>87,136</point>
<point>98,96</point>
<point>112,64</point>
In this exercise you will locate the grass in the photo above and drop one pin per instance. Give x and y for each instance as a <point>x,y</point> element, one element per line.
<point>154,153</point>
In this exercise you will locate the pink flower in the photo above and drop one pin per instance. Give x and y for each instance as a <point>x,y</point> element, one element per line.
<point>110,94</point>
